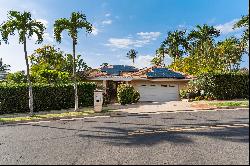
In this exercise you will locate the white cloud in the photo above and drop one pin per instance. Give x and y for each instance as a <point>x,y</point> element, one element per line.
<point>107,22</point>
<point>144,61</point>
<point>227,27</point>
<point>149,35</point>
<point>95,31</point>
<point>107,15</point>
<point>120,43</point>
<point>126,42</point>
<point>143,38</point>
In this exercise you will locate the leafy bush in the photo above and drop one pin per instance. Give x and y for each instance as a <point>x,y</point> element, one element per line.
<point>233,85</point>
<point>14,97</point>
<point>127,94</point>
<point>17,77</point>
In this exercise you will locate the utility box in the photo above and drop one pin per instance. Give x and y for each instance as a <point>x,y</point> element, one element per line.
<point>98,100</point>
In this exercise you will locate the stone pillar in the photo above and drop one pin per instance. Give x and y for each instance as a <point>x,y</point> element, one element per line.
<point>98,100</point>
<point>104,83</point>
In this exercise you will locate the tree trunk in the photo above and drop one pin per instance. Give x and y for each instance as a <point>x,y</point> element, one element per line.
<point>28,79</point>
<point>74,75</point>
<point>163,59</point>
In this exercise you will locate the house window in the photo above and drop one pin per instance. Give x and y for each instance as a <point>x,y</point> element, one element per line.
<point>143,85</point>
<point>164,85</point>
<point>171,86</point>
<point>152,85</point>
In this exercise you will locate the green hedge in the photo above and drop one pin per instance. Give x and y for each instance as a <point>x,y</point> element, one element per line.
<point>233,85</point>
<point>126,94</point>
<point>14,97</point>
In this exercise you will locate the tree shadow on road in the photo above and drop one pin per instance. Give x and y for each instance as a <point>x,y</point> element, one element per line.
<point>149,139</point>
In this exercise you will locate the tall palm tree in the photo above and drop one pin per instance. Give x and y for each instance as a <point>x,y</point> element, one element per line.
<point>77,21</point>
<point>132,54</point>
<point>175,44</point>
<point>26,27</point>
<point>160,53</point>
<point>202,42</point>
<point>203,34</point>
<point>156,61</point>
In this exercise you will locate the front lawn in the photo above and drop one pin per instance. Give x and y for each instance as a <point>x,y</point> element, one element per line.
<point>38,116</point>
<point>230,103</point>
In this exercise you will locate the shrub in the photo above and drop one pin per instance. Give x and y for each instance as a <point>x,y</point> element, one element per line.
<point>126,94</point>
<point>17,77</point>
<point>233,85</point>
<point>14,97</point>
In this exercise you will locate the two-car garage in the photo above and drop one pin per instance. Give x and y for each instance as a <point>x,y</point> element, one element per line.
<point>153,91</point>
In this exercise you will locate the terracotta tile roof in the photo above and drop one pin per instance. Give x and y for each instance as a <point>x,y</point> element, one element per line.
<point>149,72</point>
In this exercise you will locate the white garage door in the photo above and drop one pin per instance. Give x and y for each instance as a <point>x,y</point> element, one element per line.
<point>158,92</point>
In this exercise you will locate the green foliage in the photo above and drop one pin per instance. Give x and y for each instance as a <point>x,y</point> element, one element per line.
<point>175,44</point>
<point>205,55</point>
<point>25,26</point>
<point>14,97</point>
<point>232,85</point>
<point>127,94</point>
<point>230,104</point>
<point>159,59</point>
<point>156,61</point>
<point>244,22</point>
<point>51,65</point>
<point>230,52</point>
<point>51,76</point>
<point>183,94</point>
<point>76,21</point>
<point>17,77</point>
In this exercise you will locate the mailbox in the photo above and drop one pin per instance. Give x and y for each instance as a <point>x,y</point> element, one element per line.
<point>98,100</point>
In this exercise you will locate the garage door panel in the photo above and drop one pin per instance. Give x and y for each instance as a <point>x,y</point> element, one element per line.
<point>157,92</point>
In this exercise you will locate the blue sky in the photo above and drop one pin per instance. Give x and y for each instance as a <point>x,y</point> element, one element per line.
<point>121,25</point>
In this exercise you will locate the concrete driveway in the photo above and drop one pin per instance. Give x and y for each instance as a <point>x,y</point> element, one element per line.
<point>147,107</point>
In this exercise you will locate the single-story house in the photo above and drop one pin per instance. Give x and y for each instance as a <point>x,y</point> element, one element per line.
<point>153,83</point>
<point>3,75</point>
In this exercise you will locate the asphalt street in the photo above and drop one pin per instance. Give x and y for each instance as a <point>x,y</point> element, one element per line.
<point>220,137</point>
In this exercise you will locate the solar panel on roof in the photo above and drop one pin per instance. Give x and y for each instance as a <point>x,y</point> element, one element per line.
<point>117,69</point>
<point>164,73</point>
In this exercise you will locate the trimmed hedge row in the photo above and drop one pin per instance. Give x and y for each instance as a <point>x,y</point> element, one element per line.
<point>14,97</point>
<point>233,85</point>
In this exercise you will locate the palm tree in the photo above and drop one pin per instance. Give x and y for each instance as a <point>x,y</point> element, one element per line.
<point>203,34</point>
<point>156,61</point>
<point>26,27</point>
<point>202,42</point>
<point>132,54</point>
<point>76,21</point>
<point>175,44</point>
<point>160,53</point>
